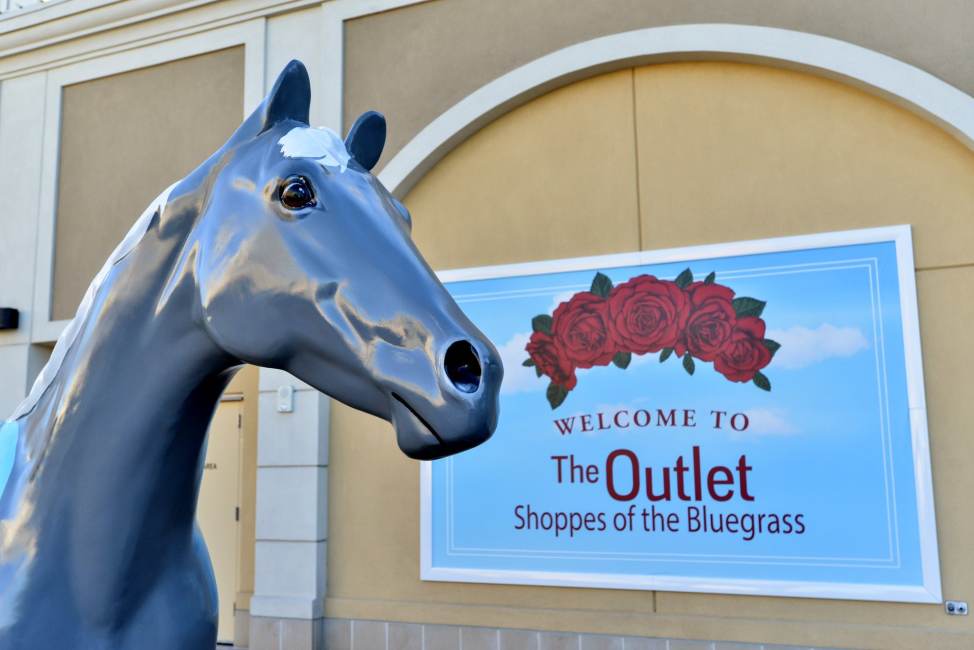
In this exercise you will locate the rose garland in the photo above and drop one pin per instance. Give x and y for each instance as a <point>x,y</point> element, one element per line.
<point>696,321</point>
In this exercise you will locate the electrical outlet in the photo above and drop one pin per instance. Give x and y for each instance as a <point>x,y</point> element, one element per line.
<point>285,399</point>
<point>956,607</point>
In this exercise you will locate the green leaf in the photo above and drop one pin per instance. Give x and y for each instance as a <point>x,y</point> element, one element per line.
<point>710,277</point>
<point>542,323</point>
<point>665,354</point>
<point>601,285</point>
<point>685,278</point>
<point>537,370</point>
<point>556,395</point>
<point>688,364</point>
<point>771,345</point>
<point>528,363</point>
<point>761,381</point>
<point>748,306</point>
<point>622,359</point>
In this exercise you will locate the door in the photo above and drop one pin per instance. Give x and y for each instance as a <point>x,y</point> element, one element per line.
<point>218,513</point>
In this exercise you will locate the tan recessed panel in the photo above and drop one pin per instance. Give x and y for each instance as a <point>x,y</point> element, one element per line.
<point>732,151</point>
<point>527,185</point>
<point>124,139</point>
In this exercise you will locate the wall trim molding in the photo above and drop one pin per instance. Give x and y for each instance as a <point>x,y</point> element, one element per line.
<point>50,10</point>
<point>51,36</point>
<point>878,74</point>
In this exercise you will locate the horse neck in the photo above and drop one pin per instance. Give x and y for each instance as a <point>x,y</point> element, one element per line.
<point>132,399</point>
<point>105,494</point>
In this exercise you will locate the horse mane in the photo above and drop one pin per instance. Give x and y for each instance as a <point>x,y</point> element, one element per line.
<point>322,144</point>
<point>70,334</point>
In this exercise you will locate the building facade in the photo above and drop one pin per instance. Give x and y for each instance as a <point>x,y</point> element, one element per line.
<point>520,130</point>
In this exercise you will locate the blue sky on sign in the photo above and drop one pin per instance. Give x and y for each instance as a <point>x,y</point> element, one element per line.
<point>831,439</point>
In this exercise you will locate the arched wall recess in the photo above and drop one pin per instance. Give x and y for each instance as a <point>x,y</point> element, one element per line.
<point>894,80</point>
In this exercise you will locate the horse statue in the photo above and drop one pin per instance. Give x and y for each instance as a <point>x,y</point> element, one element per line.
<point>281,250</point>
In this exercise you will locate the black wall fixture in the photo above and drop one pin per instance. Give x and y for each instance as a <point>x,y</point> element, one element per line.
<point>9,318</point>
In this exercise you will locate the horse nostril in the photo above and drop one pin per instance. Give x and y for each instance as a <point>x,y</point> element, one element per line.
<point>462,365</point>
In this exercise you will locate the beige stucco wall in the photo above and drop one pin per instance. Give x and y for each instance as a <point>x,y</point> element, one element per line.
<point>670,155</point>
<point>415,62</point>
<point>123,139</point>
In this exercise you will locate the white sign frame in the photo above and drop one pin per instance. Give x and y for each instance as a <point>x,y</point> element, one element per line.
<point>929,592</point>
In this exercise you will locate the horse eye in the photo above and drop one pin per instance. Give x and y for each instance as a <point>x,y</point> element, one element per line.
<point>295,193</point>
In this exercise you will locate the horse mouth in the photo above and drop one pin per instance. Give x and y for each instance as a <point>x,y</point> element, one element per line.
<point>419,417</point>
<point>418,439</point>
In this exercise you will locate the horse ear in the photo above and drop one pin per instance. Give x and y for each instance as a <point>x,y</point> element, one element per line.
<point>366,138</point>
<point>289,99</point>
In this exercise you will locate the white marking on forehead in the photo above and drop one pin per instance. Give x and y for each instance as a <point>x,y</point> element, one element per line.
<point>321,144</point>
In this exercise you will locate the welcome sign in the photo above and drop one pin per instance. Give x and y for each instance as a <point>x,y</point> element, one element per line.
<point>742,418</point>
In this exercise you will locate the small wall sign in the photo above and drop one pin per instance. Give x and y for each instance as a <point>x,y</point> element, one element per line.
<point>742,418</point>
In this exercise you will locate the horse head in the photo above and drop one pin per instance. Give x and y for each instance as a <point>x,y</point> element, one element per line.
<point>305,262</point>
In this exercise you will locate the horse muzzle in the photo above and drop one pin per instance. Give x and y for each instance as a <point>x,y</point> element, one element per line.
<point>465,414</point>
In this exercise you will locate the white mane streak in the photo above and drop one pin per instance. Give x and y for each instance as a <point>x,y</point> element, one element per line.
<point>66,341</point>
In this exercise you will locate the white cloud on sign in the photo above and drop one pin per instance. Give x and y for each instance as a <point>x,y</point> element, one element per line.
<point>802,346</point>
<point>559,298</point>
<point>518,378</point>
<point>768,422</point>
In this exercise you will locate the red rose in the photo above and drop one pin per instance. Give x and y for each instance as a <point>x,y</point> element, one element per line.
<point>646,314</point>
<point>744,354</point>
<point>551,360</point>
<point>710,322</point>
<point>581,330</point>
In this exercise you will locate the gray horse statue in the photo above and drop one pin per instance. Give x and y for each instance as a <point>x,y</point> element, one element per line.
<point>281,250</point>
